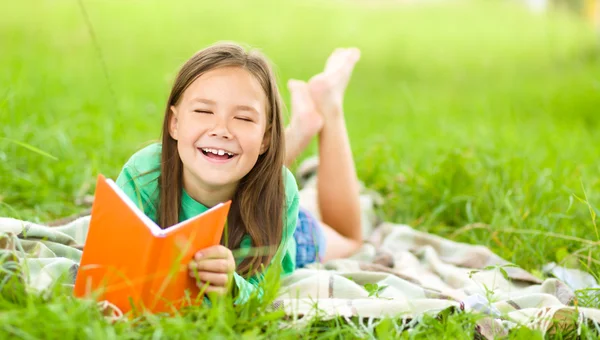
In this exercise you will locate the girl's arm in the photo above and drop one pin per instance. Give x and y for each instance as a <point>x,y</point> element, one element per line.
<point>139,179</point>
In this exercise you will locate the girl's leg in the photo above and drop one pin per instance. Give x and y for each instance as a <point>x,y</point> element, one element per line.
<point>317,109</point>
<point>337,184</point>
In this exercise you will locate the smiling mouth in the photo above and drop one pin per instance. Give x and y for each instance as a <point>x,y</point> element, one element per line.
<point>217,154</point>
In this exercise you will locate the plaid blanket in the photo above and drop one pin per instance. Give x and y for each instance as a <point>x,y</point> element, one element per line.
<point>404,273</point>
<point>400,272</point>
<point>43,253</point>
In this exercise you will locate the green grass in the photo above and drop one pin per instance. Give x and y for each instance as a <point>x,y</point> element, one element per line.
<point>476,121</point>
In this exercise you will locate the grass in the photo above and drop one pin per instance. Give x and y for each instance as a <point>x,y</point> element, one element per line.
<point>477,121</point>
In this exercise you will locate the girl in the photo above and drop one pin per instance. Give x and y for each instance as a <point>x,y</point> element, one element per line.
<point>223,139</point>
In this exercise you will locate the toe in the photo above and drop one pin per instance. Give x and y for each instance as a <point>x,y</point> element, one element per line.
<point>334,59</point>
<point>354,54</point>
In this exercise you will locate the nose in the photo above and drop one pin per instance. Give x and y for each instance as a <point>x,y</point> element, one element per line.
<point>220,128</point>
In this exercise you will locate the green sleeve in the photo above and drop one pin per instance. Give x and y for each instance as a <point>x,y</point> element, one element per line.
<point>288,246</point>
<point>245,288</point>
<point>139,179</point>
<point>129,182</point>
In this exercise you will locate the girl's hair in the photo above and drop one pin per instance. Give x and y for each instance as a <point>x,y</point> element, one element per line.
<point>257,207</point>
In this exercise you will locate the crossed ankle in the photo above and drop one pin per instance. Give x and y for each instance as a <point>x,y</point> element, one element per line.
<point>334,117</point>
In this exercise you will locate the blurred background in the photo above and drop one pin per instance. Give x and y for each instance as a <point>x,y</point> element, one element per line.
<point>460,112</point>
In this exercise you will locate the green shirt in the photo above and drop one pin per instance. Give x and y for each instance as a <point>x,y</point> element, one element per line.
<point>139,180</point>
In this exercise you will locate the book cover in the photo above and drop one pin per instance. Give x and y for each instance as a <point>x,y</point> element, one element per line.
<point>133,263</point>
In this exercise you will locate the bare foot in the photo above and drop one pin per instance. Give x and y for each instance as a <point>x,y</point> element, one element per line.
<point>306,120</point>
<point>327,88</point>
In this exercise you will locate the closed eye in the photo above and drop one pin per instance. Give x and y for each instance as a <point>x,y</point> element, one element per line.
<point>246,119</point>
<point>203,111</point>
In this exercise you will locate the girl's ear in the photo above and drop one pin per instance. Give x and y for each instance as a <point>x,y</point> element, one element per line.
<point>173,122</point>
<point>264,146</point>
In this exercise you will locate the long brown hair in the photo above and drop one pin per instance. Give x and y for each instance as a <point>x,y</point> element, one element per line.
<point>257,207</point>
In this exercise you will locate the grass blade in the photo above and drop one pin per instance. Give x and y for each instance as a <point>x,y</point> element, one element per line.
<point>30,148</point>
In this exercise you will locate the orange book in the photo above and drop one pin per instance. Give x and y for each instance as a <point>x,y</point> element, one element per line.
<point>133,263</point>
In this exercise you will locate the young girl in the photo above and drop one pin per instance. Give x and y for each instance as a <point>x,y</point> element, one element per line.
<point>223,139</point>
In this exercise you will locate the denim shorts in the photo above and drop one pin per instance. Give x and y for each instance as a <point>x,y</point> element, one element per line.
<point>310,239</point>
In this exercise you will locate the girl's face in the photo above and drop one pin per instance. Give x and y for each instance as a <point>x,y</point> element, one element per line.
<point>219,124</point>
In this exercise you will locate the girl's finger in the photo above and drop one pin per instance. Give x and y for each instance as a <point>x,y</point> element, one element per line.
<point>214,252</point>
<point>213,279</point>
<point>206,288</point>
<point>215,266</point>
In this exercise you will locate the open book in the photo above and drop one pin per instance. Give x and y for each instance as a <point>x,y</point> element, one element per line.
<point>133,263</point>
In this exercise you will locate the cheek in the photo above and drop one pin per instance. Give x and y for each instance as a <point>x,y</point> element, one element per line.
<point>191,127</point>
<point>251,139</point>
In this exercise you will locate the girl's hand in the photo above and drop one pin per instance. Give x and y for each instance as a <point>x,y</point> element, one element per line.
<point>213,266</point>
